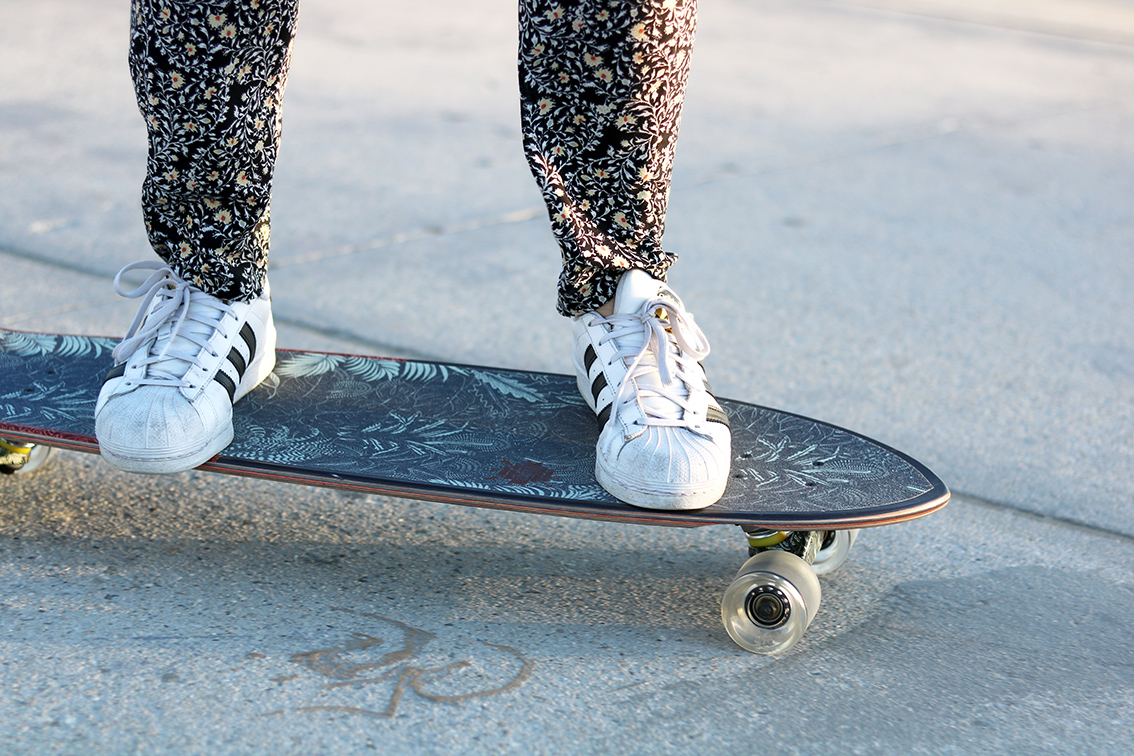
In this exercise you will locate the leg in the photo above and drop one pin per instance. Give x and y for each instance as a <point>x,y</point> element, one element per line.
<point>209,78</point>
<point>602,83</point>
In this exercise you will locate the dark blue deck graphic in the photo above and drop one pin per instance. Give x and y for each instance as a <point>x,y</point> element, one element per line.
<point>471,434</point>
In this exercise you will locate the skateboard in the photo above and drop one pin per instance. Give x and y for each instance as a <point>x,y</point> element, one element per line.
<point>505,439</point>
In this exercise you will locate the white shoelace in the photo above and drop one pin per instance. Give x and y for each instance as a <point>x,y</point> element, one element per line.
<point>671,345</point>
<point>182,324</point>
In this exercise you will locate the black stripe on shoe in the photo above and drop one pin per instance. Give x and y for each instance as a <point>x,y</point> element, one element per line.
<point>589,357</point>
<point>604,415</point>
<point>229,385</point>
<point>249,337</point>
<point>717,415</point>
<point>115,372</point>
<point>597,386</point>
<point>238,362</point>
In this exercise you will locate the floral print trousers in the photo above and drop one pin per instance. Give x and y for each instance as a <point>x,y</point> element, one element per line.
<point>601,88</point>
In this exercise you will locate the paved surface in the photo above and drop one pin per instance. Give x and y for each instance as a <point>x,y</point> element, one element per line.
<point>914,218</point>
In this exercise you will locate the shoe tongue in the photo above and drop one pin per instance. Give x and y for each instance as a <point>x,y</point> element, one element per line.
<point>180,345</point>
<point>635,290</point>
<point>656,404</point>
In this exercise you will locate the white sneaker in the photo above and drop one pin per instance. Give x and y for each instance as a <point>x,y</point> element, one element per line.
<point>166,406</point>
<point>665,441</point>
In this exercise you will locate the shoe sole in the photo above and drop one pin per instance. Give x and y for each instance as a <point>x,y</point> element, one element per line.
<point>663,500</point>
<point>169,464</point>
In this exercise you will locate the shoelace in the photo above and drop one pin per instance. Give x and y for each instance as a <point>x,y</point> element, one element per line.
<point>672,343</point>
<point>184,316</point>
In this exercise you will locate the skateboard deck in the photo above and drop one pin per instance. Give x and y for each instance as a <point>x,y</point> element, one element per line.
<point>476,436</point>
<point>511,440</point>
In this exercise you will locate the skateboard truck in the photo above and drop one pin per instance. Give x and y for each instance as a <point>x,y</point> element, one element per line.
<point>22,458</point>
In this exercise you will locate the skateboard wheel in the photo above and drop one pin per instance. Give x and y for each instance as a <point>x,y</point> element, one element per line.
<point>834,551</point>
<point>771,602</point>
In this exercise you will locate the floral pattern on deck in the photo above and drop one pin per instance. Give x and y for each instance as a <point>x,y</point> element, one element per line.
<point>465,433</point>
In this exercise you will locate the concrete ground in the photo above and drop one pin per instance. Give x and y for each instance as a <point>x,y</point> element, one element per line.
<point>914,218</point>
